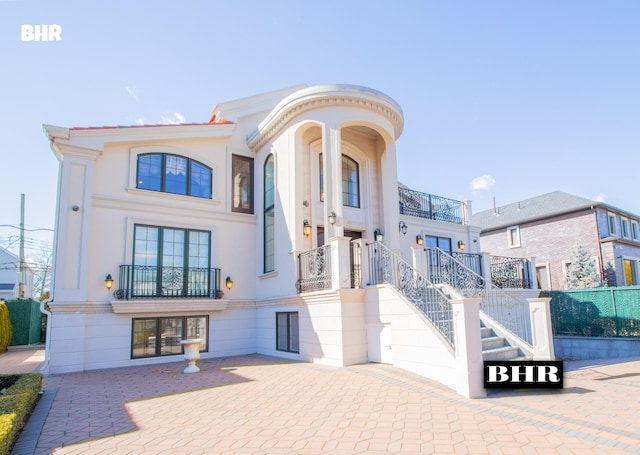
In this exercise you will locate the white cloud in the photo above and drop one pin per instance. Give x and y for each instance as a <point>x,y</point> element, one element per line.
<point>132,93</point>
<point>484,182</point>
<point>600,197</point>
<point>174,119</point>
<point>140,121</point>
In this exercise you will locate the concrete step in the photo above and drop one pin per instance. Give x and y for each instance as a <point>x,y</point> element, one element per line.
<point>486,332</point>
<point>503,353</point>
<point>493,342</point>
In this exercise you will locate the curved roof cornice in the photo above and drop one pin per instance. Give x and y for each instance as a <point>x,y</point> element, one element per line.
<point>338,95</point>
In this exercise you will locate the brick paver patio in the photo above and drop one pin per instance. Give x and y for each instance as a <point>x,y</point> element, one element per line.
<point>262,405</point>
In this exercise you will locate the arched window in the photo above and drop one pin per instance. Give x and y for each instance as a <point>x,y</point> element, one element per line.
<point>350,182</point>
<point>269,214</point>
<point>173,174</point>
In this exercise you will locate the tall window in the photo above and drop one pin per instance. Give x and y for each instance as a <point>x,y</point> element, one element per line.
<point>287,332</point>
<point>350,181</point>
<point>153,337</point>
<point>242,184</point>
<point>269,215</point>
<point>171,262</point>
<point>173,174</point>
<point>612,224</point>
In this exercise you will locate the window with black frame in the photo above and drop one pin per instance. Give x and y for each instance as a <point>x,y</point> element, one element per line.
<point>173,174</point>
<point>160,336</point>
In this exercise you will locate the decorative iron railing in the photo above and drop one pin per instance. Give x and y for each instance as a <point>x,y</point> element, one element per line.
<point>142,282</point>
<point>445,268</point>
<point>510,312</point>
<point>509,272</point>
<point>387,267</point>
<point>469,260</point>
<point>314,269</point>
<point>423,205</point>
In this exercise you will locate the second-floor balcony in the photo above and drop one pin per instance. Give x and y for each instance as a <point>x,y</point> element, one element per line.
<point>429,206</point>
<point>147,282</point>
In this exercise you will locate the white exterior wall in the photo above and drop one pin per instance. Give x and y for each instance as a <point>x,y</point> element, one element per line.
<point>415,344</point>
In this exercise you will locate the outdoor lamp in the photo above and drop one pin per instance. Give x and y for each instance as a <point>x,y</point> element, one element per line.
<point>229,283</point>
<point>306,228</point>
<point>460,245</point>
<point>332,217</point>
<point>108,281</point>
<point>402,227</point>
<point>419,240</point>
<point>377,235</point>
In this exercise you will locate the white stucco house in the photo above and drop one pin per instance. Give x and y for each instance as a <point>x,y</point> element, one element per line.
<point>277,227</point>
<point>14,282</point>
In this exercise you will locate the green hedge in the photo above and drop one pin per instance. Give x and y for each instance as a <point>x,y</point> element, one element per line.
<point>16,404</point>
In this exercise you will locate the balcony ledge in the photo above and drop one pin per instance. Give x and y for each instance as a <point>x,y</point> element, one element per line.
<point>168,305</point>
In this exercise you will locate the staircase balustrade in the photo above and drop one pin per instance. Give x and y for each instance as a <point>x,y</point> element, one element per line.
<point>512,313</point>
<point>387,267</point>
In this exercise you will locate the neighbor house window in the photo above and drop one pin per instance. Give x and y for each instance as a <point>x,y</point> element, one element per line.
<point>169,262</point>
<point>154,337</point>
<point>287,332</point>
<point>350,181</point>
<point>242,184</point>
<point>624,224</point>
<point>612,224</point>
<point>173,174</point>
<point>634,230</point>
<point>269,215</point>
<point>513,238</point>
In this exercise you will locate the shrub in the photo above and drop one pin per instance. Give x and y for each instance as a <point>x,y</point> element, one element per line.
<point>6,331</point>
<point>16,404</point>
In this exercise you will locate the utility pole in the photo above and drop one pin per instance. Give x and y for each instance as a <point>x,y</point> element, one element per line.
<point>21,283</point>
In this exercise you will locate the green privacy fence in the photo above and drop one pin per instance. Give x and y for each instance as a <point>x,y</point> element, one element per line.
<point>601,312</point>
<point>26,320</point>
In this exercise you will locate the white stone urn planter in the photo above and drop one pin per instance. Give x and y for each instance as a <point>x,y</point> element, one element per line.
<point>191,354</point>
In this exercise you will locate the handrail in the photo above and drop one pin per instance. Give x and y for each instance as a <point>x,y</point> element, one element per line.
<point>142,281</point>
<point>511,313</point>
<point>314,269</point>
<point>388,267</point>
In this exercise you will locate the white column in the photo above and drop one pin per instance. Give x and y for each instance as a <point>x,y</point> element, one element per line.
<point>340,263</point>
<point>419,257</point>
<point>332,175</point>
<point>389,197</point>
<point>73,227</point>
<point>541,332</point>
<point>468,343</point>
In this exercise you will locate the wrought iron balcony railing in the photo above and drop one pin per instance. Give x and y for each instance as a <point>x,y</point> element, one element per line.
<point>314,269</point>
<point>145,282</point>
<point>423,205</point>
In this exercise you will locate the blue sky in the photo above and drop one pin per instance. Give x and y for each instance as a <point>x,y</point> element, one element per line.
<point>505,99</point>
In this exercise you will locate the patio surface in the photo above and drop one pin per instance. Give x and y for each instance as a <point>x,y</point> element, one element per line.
<point>263,405</point>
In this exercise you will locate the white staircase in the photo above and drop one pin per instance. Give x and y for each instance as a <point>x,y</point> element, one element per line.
<point>495,347</point>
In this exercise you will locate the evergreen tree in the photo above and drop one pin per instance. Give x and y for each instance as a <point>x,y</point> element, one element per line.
<point>582,272</point>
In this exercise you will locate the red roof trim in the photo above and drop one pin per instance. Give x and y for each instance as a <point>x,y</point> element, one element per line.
<point>76,128</point>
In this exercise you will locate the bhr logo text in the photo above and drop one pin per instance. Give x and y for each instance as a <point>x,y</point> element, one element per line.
<point>46,32</point>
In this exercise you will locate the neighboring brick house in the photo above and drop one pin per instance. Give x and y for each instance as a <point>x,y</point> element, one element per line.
<point>549,227</point>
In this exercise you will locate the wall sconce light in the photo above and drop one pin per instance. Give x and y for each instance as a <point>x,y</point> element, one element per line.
<point>402,227</point>
<point>332,217</point>
<point>377,235</point>
<point>419,240</point>
<point>460,245</point>
<point>229,283</point>
<point>306,228</point>
<point>108,282</point>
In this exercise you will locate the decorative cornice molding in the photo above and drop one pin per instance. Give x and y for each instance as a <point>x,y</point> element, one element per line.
<point>79,307</point>
<point>322,97</point>
<point>167,306</point>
